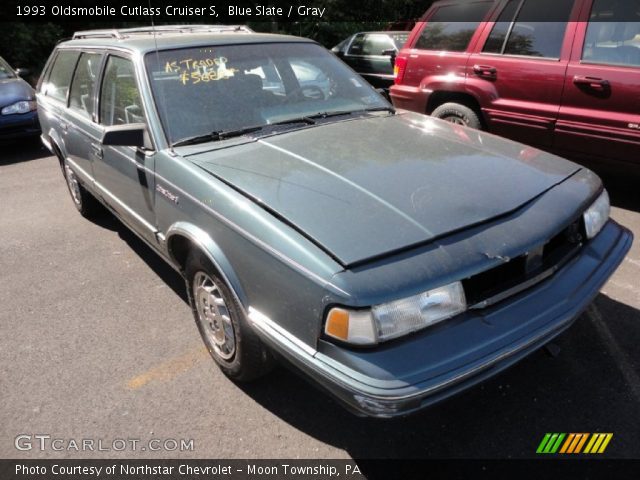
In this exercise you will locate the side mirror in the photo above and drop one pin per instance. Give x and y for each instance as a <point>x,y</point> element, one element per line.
<point>127,135</point>
<point>22,72</point>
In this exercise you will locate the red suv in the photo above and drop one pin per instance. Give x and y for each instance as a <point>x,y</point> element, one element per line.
<point>562,75</point>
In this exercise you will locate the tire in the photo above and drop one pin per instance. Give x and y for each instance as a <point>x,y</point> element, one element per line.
<point>459,114</point>
<point>84,202</point>
<point>222,324</point>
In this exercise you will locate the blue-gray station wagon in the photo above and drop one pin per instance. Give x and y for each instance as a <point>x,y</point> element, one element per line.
<point>395,259</point>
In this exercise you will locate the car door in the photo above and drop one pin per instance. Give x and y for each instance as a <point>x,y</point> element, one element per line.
<point>124,175</point>
<point>518,68</point>
<point>377,68</point>
<point>599,118</point>
<point>353,55</point>
<point>82,128</point>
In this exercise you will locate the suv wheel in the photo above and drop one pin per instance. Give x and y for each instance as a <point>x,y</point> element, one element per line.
<point>222,324</point>
<point>86,203</point>
<point>458,114</point>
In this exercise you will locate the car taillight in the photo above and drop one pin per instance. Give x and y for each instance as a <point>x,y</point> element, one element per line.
<point>399,68</point>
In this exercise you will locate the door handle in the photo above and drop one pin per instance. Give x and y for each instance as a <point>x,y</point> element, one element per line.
<point>485,70</point>
<point>64,126</point>
<point>97,150</point>
<point>591,82</point>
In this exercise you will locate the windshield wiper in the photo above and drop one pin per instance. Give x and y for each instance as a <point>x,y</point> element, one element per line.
<point>311,119</point>
<point>217,135</point>
<point>380,109</point>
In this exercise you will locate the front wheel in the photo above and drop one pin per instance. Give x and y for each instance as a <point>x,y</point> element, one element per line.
<point>222,324</point>
<point>458,114</point>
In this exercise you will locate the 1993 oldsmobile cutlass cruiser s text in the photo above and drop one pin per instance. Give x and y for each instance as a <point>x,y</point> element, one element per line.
<point>394,258</point>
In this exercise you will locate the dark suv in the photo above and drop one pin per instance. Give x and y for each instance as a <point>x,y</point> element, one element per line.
<point>371,55</point>
<point>562,75</point>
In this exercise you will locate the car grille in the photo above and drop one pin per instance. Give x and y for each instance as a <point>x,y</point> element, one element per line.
<point>524,271</point>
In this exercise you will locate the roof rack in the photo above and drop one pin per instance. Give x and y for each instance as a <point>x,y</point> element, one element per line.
<point>162,29</point>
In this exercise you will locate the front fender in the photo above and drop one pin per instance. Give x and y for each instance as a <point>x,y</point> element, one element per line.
<point>210,248</point>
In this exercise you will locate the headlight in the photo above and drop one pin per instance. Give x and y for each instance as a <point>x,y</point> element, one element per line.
<point>23,106</point>
<point>395,319</point>
<point>597,215</point>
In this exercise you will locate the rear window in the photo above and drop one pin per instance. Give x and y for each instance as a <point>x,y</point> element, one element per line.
<point>533,28</point>
<point>399,39</point>
<point>613,34</point>
<point>451,27</point>
<point>57,85</point>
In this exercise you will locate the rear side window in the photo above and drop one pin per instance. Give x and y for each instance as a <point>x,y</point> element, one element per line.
<point>356,45</point>
<point>613,34</point>
<point>57,85</point>
<point>533,28</point>
<point>120,101</point>
<point>81,97</point>
<point>376,44</point>
<point>451,27</point>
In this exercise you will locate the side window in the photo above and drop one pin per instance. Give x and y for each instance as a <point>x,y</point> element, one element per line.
<point>451,27</point>
<point>376,44</point>
<point>57,85</point>
<point>613,34</point>
<point>120,101</point>
<point>357,45</point>
<point>536,31</point>
<point>81,97</point>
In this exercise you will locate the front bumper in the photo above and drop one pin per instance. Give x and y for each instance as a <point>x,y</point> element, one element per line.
<point>19,125</point>
<point>405,376</point>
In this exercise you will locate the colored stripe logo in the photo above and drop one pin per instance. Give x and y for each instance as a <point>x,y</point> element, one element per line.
<point>567,443</point>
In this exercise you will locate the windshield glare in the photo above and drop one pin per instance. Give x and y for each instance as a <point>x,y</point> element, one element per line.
<point>224,88</point>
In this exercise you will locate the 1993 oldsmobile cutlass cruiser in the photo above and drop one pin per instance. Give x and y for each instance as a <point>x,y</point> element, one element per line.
<point>394,258</point>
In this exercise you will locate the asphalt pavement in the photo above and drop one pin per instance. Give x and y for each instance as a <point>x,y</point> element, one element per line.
<point>97,343</point>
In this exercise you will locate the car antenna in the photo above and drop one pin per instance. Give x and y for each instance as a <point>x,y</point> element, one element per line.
<point>163,105</point>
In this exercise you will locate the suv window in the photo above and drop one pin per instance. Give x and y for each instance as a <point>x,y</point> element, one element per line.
<point>399,39</point>
<point>81,97</point>
<point>611,38</point>
<point>532,28</point>
<point>357,45</point>
<point>451,27</point>
<point>57,85</point>
<point>376,44</point>
<point>120,101</point>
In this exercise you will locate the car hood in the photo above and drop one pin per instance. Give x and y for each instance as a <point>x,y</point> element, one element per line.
<point>367,187</point>
<point>13,90</point>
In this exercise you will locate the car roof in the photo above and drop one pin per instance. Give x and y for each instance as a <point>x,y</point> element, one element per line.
<point>147,39</point>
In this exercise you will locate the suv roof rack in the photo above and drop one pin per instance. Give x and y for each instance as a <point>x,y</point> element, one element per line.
<point>163,29</point>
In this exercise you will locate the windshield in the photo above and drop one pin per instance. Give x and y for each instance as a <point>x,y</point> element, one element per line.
<point>226,88</point>
<point>5,70</point>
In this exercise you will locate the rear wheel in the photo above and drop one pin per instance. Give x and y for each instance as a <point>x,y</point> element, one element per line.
<point>223,327</point>
<point>458,114</point>
<point>86,203</point>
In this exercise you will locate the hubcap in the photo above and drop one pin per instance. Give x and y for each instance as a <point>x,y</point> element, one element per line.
<point>214,316</point>
<point>74,186</point>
